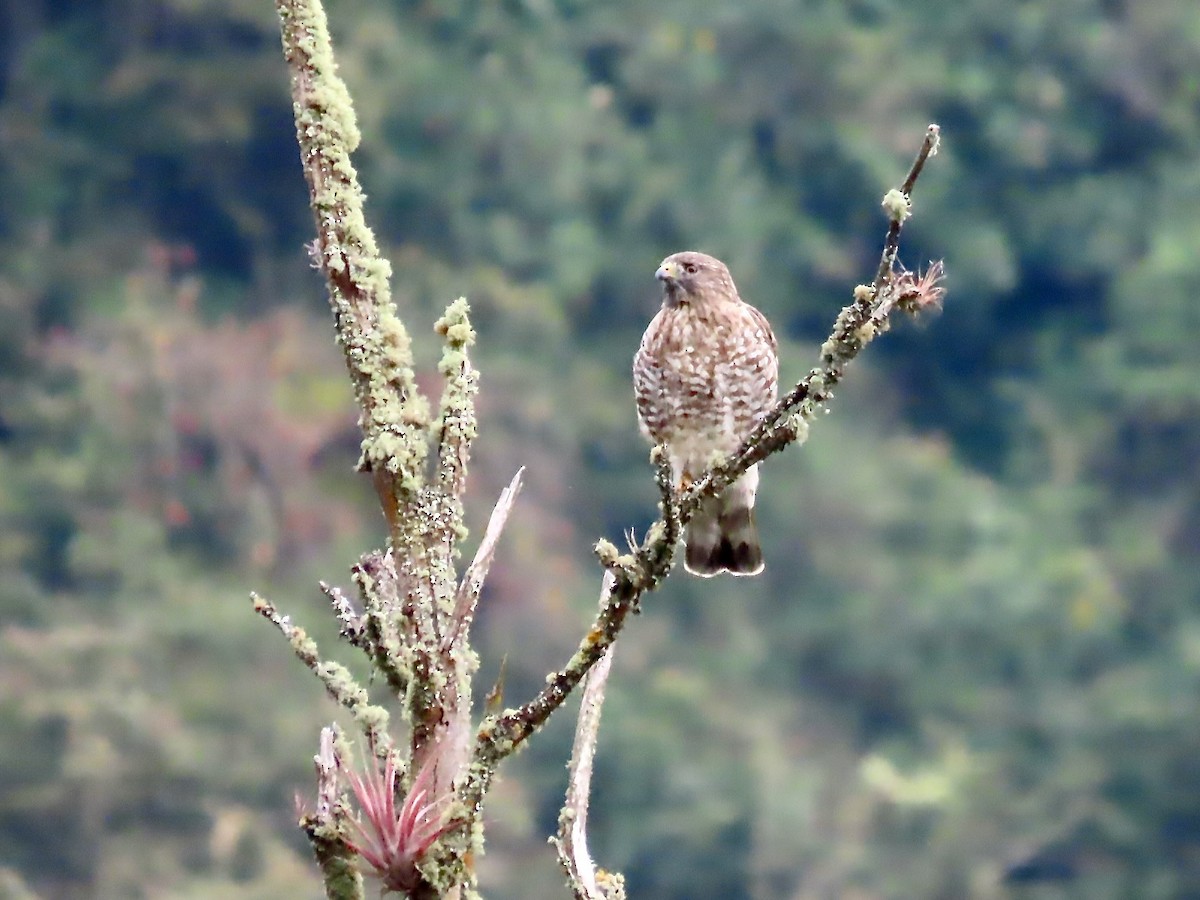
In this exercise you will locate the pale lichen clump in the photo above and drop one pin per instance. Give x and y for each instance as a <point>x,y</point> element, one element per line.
<point>606,551</point>
<point>897,205</point>
<point>455,325</point>
<point>395,414</point>
<point>611,884</point>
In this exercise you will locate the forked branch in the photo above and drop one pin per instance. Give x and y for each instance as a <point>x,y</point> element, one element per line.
<point>415,614</point>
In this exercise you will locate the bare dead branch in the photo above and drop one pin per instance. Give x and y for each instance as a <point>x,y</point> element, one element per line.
<point>323,826</point>
<point>472,580</point>
<point>353,623</point>
<point>571,841</point>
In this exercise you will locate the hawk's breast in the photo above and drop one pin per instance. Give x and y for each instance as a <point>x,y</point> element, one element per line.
<point>704,378</point>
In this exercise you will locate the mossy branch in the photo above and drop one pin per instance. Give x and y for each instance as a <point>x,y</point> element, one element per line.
<point>338,681</point>
<point>394,415</point>
<point>414,621</point>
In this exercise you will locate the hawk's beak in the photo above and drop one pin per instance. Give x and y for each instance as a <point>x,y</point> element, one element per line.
<point>667,272</point>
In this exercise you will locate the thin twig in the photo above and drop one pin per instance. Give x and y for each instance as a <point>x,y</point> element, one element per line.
<point>891,244</point>
<point>933,138</point>
<point>353,623</point>
<point>338,681</point>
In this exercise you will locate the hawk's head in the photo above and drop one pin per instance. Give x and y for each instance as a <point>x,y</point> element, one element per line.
<point>692,277</point>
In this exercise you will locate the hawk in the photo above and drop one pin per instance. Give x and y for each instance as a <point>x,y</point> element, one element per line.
<point>706,373</point>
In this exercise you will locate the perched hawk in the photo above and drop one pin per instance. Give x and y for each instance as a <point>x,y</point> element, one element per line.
<point>705,374</point>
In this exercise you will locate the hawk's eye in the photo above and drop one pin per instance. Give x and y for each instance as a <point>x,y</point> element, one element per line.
<point>690,268</point>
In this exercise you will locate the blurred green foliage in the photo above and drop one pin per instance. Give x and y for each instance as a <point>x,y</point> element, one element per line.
<point>972,668</point>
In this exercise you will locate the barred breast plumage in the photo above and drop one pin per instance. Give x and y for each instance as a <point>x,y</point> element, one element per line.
<point>705,374</point>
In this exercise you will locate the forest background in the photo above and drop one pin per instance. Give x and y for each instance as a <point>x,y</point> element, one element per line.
<point>972,666</point>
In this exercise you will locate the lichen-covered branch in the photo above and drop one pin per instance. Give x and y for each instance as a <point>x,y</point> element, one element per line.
<point>353,623</point>
<point>394,415</point>
<point>856,326</point>
<point>338,681</point>
<point>642,571</point>
<point>456,427</point>
<point>380,638</point>
<point>500,735</point>
<point>446,739</point>
<point>412,625</point>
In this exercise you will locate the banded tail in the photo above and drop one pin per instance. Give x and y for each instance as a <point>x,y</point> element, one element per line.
<point>722,536</point>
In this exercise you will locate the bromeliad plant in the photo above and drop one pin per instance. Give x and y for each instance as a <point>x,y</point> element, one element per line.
<point>392,841</point>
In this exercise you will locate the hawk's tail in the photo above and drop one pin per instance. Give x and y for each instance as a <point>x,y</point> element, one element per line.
<point>722,536</point>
